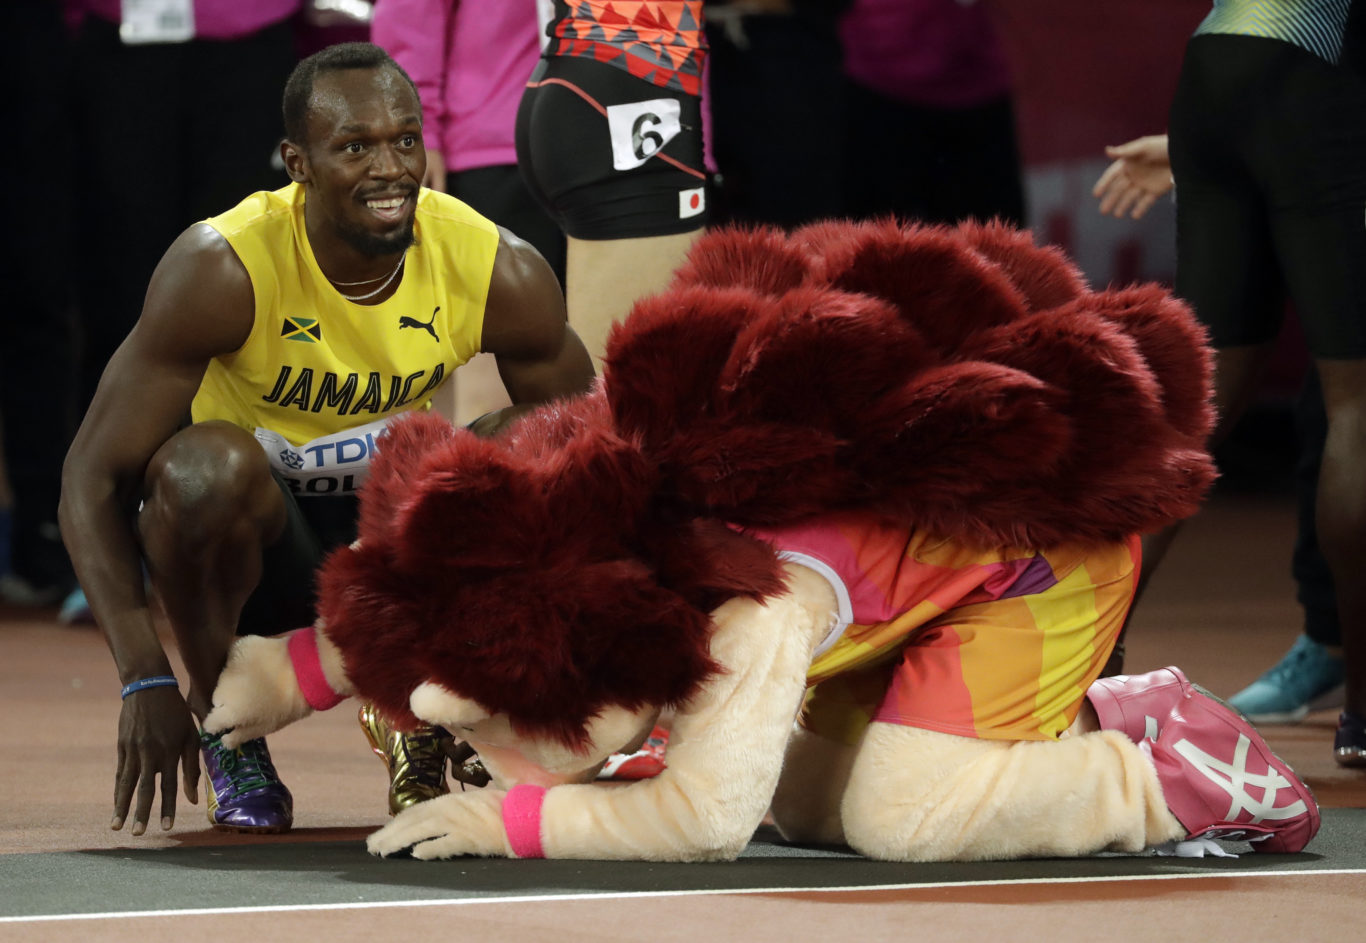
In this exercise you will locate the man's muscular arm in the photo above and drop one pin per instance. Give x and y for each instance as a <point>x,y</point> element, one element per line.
<point>199,304</point>
<point>526,328</point>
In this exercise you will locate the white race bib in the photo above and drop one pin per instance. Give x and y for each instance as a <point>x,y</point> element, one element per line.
<point>641,129</point>
<point>333,464</point>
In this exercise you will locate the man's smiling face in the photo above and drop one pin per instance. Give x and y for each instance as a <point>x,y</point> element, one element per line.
<point>364,159</point>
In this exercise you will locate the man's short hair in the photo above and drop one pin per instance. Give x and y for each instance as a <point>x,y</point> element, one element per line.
<point>338,58</point>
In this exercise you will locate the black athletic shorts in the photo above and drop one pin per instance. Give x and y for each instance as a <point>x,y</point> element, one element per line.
<point>285,597</point>
<point>1268,148</point>
<point>611,156</point>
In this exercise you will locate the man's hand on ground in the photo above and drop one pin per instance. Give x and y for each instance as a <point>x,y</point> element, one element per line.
<point>156,734</point>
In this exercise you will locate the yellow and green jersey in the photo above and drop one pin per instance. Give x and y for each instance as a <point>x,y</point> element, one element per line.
<point>319,375</point>
<point>1317,26</point>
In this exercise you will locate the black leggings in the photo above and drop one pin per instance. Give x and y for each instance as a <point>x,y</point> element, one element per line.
<point>1268,148</point>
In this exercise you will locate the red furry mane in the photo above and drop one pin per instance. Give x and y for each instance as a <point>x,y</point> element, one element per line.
<point>511,571</point>
<point>961,380</point>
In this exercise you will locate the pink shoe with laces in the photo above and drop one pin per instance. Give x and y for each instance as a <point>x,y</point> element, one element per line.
<point>1218,776</point>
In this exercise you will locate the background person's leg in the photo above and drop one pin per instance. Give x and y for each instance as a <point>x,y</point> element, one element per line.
<point>777,110</point>
<point>1342,513</point>
<point>1313,578</point>
<point>607,276</point>
<point>1309,676</point>
<point>1237,376</point>
<point>1317,177</point>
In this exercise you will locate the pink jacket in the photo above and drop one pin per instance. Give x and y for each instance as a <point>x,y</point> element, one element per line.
<point>934,53</point>
<point>470,61</point>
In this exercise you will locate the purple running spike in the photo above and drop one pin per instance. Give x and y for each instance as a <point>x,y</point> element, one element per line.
<point>245,793</point>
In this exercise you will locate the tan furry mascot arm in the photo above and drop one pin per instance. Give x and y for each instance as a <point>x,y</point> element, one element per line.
<point>725,753</point>
<point>261,690</point>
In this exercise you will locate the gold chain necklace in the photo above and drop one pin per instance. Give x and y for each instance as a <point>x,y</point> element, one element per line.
<point>371,294</point>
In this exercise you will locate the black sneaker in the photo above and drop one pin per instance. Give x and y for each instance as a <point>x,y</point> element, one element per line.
<point>1349,743</point>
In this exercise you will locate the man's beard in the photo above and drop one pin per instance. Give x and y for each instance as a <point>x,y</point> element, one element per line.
<point>369,244</point>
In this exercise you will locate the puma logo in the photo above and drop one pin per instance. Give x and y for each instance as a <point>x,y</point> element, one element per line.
<point>406,321</point>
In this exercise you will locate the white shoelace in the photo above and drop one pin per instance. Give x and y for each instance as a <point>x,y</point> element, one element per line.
<point>1194,848</point>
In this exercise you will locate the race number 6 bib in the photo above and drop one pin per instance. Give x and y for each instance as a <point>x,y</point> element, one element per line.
<point>640,130</point>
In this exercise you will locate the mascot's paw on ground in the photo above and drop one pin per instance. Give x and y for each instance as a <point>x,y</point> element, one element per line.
<point>257,693</point>
<point>463,823</point>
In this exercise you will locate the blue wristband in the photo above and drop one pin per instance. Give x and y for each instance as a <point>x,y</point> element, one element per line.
<point>157,681</point>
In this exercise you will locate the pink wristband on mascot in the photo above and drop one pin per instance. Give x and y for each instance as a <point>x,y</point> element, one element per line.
<point>522,819</point>
<point>308,670</point>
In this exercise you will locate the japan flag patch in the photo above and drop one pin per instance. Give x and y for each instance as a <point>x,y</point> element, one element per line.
<point>692,202</point>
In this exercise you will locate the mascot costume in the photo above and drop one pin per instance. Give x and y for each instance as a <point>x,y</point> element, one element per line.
<point>858,506</point>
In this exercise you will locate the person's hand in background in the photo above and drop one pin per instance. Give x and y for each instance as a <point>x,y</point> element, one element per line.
<point>1141,173</point>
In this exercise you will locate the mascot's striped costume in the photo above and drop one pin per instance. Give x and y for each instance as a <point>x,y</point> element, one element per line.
<point>883,479</point>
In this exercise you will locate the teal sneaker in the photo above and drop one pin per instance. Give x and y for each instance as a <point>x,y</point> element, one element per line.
<point>75,610</point>
<point>1308,677</point>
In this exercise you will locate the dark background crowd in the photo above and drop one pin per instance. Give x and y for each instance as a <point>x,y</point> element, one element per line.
<point>933,110</point>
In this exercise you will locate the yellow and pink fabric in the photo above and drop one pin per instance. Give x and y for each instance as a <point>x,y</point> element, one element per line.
<point>997,643</point>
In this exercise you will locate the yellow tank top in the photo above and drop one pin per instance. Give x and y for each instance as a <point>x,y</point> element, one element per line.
<point>319,376</point>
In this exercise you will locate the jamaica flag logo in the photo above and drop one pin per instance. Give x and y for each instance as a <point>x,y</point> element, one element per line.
<point>305,330</point>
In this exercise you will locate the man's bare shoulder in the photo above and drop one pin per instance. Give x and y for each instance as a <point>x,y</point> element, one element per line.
<point>525,310</point>
<point>201,293</point>
<point>202,245</point>
<point>518,258</point>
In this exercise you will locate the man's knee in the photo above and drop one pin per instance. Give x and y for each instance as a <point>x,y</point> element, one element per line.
<point>207,480</point>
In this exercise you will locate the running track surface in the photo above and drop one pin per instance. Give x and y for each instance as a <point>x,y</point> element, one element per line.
<point>66,876</point>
